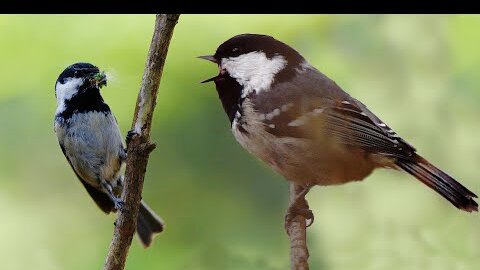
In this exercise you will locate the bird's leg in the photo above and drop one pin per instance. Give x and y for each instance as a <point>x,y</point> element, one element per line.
<point>123,154</point>
<point>302,194</point>
<point>120,181</point>
<point>117,187</point>
<point>299,207</point>
<point>107,188</point>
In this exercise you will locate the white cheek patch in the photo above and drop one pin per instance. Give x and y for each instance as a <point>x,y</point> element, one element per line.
<point>254,71</point>
<point>66,91</point>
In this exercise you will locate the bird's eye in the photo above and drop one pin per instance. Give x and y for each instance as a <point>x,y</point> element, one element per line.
<point>75,73</point>
<point>236,51</point>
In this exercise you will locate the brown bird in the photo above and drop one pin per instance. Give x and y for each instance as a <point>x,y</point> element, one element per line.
<point>304,126</point>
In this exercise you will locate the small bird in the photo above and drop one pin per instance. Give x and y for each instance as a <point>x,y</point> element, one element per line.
<point>91,141</point>
<point>304,126</point>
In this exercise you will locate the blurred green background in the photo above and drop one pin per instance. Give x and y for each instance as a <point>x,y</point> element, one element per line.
<point>223,208</point>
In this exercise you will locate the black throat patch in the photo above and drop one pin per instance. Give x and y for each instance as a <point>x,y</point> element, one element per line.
<point>229,92</point>
<point>88,100</point>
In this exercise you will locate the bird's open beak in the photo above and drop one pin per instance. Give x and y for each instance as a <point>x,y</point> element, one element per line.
<point>99,79</point>
<point>212,58</point>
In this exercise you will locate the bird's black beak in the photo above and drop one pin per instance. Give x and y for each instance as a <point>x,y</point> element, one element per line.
<point>211,58</point>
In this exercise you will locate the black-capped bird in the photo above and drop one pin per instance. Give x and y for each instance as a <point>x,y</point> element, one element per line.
<point>91,141</point>
<point>304,126</point>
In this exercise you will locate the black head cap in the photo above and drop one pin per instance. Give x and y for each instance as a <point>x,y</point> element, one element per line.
<point>246,43</point>
<point>78,70</point>
<point>83,95</point>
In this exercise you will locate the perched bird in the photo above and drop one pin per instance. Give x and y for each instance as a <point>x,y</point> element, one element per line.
<point>91,141</point>
<point>304,126</point>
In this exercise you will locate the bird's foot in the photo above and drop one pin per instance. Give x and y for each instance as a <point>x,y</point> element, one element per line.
<point>130,135</point>
<point>299,207</point>
<point>119,205</point>
<point>294,212</point>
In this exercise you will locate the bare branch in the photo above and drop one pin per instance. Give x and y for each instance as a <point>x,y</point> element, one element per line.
<point>297,231</point>
<point>140,147</point>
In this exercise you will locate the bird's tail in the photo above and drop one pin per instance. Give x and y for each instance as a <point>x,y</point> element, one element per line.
<point>148,224</point>
<point>441,182</point>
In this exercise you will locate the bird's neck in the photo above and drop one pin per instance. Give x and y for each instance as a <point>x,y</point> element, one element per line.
<point>229,92</point>
<point>85,101</point>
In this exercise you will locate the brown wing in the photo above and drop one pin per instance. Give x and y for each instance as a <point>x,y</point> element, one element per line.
<point>351,122</point>
<point>314,107</point>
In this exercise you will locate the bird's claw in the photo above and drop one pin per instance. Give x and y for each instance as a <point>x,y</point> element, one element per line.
<point>293,212</point>
<point>130,135</point>
<point>119,205</point>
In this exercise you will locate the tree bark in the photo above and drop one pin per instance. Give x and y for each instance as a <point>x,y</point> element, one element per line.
<point>140,146</point>
<point>297,231</point>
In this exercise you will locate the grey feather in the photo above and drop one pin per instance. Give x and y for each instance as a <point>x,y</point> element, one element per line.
<point>94,146</point>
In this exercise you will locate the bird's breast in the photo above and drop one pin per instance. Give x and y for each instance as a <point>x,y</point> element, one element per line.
<point>251,133</point>
<point>93,144</point>
<point>301,160</point>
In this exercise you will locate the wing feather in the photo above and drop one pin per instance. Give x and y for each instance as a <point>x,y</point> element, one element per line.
<point>101,199</point>
<point>317,107</point>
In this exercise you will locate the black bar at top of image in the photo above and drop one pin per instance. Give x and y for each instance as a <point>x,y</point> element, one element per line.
<point>240,6</point>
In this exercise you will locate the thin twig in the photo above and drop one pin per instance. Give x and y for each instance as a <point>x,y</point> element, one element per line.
<point>297,231</point>
<point>140,147</point>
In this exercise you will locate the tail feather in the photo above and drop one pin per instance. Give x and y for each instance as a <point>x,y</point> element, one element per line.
<point>148,224</point>
<point>441,182</point>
